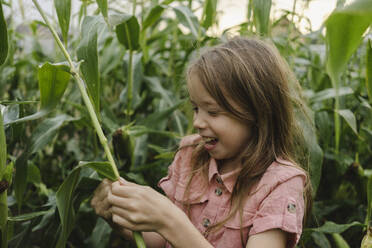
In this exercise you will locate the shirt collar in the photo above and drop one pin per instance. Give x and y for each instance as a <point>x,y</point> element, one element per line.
<point>228,178</point>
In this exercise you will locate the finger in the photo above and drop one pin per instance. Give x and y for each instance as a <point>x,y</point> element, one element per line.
<point>125,214</point>
<point>127,190</point>
<point>100,194</point>
<point>105,183</point>
<point>122,181</point>
<point>121,202</point>
<point>118,220</point>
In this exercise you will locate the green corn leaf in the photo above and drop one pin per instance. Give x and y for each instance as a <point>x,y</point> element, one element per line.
<point>314,150</point>
<point>100,235</point>
<point>127,31</point>
<point>160,116</point>
<point>369,200</point>
<point>138,130</point>
<point>137,73</point>
<point>349,118</point>
<point>187,19</point>
<point>330,93</point>
<point>41,136</point>
<point>46,131</point>
<point>53,80</point>
<point>63,8</point>
<point>345,27</point>
<point>339,241</point>
<point>209,12</point>
<point>3,154</point>
<point>261,15</point>
<point>331,227</point>
<point>155,85</point>
<point>102,168</point>
<point>369,70</point>
<point>29,216</point>
<point>3,37</point>
<point>153,16</point>
<point>65,196</point>
<point>87,51</point>
<point>102,5</point>
<point>321,240</point>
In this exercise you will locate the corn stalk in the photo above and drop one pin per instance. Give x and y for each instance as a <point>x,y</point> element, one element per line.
<point>75,72</point>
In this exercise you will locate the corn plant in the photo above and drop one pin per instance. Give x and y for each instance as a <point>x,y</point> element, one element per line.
<point>129,59</point>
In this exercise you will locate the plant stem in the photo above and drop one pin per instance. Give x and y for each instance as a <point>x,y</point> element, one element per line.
<point>4,218</point>
<point>75,72</point>
<point>83,91</point>
<point>130,85</point>
<point>3,195</point>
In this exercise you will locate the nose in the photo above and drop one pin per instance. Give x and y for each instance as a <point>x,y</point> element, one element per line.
<point>199,122</point>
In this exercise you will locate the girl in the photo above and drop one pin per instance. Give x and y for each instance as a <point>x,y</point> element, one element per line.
<point>236,183</point>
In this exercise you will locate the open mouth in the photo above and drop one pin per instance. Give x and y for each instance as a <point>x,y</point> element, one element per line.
<point>209,143</point>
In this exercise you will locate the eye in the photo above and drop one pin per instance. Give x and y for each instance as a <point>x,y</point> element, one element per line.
<point>213,113</point>
<point>195,109</point>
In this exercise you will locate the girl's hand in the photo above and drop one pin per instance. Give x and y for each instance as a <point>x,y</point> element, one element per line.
<point>139,208</point>
<point>100,201</point>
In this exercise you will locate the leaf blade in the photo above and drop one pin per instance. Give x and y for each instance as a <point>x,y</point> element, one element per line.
<point>102,5</point>
<point>88,52</point>
<point>3,37</point>
<point>188,19</point>
<point>350,119</point>
<point>65,196</point>
<point>63,9</point>
<point>261,15</point>
<point>342,42</point>
<point>369,70</point>
<point>152,16</point>
<point>127,32</point>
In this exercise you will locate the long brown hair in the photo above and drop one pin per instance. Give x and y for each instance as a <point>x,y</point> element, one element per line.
<point>251,74</point>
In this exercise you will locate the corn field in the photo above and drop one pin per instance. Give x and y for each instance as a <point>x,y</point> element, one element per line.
<point>100,93</point>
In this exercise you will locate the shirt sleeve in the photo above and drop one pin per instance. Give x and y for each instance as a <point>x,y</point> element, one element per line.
<point>283,208</point>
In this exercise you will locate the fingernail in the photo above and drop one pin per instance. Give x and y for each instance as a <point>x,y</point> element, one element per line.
<point>122,180</point>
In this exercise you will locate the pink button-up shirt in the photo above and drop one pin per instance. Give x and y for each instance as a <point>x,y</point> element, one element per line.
<point>277,201</point>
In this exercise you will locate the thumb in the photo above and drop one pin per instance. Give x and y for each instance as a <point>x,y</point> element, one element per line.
<point>122,181</point>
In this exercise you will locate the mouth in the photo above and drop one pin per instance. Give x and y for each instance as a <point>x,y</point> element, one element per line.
<point>209,142</point>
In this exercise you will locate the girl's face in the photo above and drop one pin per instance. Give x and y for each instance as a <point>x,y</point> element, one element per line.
<point>225,135</point>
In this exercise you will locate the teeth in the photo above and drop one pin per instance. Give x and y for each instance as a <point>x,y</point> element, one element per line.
<point>206,140</point>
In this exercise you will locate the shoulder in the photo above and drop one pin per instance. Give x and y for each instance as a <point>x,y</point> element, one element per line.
<point>282,171</point>
<point>282,178</point>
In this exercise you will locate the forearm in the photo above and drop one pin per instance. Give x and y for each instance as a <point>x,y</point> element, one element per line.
<point>181,233</point>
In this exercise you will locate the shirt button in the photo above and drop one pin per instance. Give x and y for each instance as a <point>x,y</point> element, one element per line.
<point>218,191</point>
<point>206,222</point>
<point>291,208</point>
<point>219,179</point>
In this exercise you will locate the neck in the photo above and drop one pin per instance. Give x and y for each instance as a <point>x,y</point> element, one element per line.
<point>227,165</point>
